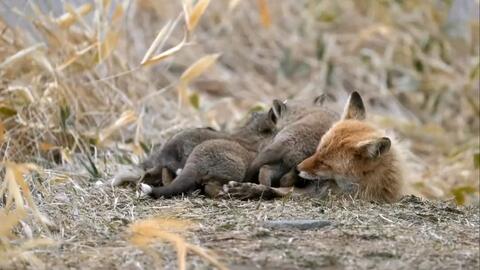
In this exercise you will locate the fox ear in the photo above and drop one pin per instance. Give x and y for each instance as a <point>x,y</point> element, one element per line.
<point>373,149</point>
<point>354,108</point>
<point>319,100</point>
<point>272,116</point>
<point>278,108</point>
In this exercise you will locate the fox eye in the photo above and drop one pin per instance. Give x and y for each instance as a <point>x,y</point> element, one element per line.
<point>265,130</point>
<point>323,164</point>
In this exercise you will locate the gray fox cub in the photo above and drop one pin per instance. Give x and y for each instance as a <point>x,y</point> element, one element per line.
<point>161,167</point>
<point>215,162</point>
<point>300,125</point>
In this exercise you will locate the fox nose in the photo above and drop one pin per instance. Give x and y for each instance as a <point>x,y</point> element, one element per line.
<point>299,167</point>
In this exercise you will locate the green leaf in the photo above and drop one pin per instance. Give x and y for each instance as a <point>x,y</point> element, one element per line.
<point>476,160</point>
<point>64,116</point>
<point>7,112</point>
<point>417,63</point>
<point>256,108</point>
<point>146,148</point>
<point>475,73</point>
<point>320,49</point>
<point>460,192</point>
<point>91,167</point>
<point>327,16</point>
<point>195,100</point>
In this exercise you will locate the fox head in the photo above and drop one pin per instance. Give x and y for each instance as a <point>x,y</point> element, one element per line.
<point>260,123</point>
<point>289,111</point>
<point>350,150</point>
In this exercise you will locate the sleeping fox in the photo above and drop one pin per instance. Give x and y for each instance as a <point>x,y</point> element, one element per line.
<point>167,161</point>
<point>217,161</point>
<point>301,124</point>
<point>352,157</point>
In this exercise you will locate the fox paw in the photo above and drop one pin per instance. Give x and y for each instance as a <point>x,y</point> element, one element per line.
<point>243,191</point>
<point>126,174</point>
<point>145,189</point>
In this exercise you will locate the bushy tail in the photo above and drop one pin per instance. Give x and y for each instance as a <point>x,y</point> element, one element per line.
<point>186,182</point>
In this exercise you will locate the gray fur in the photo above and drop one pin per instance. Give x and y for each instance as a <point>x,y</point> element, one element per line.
<point>301,128</point>
<point>174,154</point>
<point>220,160</point>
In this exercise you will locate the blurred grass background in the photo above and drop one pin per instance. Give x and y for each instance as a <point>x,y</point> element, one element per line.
<point>86,86</point>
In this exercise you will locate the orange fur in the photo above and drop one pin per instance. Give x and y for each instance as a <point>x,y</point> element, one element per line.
<point>356,151</point>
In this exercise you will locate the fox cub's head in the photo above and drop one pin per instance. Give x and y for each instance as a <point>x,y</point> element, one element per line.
<point>289,111</point>
<point>351,150</point>
<point>282,113</point>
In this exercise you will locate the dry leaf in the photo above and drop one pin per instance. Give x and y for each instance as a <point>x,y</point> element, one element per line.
<point>117,14</point>
<point>84,58</point>
<point>197,68</point>
<point>108,45</point>
<point>10,220</point>
<point>202,253</point>
<point>196,13</point>
<point>126,118</point>
<point>148,231</point>
<point>182,91</point>
<point>264,13</point>
<point>156,42</point>
<point>159,57</point>
<point>17,186</point>
<point>21,54</point>
<point>68,19</point>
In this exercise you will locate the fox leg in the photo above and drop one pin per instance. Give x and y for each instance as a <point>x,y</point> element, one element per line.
<point>185,183</point>
<point>270,155</point>
<point>289,179</point>
<point>269,174</point>
<point>244,191</point>
<point>167,177</point>
<point>213,189</point>
<point>127,174</point>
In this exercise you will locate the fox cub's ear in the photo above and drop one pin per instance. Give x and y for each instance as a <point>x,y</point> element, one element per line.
<point>354,108</point>
<point>319,100</point>
<point>374,148</point>
<point>278,108</point>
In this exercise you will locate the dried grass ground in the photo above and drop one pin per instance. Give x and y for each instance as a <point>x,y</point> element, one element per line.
<point>76,100</point>
<point>412,234</point>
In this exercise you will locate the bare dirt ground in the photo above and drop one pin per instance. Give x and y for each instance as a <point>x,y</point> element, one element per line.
<point>92,224</point>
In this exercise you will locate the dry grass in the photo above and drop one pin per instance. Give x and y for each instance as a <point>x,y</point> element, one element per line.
<point>93,87</point>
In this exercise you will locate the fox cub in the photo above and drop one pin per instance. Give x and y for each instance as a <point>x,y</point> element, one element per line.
<point>217,161</point>
<point>301,125</point>
<point>352,157</point>
<point>162,166</point>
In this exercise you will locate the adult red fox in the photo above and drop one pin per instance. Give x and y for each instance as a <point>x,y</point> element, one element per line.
<point>352,157</point>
